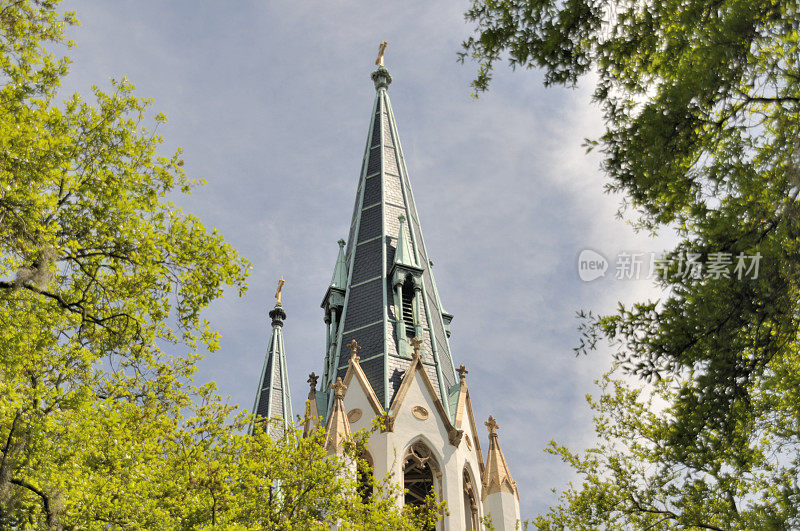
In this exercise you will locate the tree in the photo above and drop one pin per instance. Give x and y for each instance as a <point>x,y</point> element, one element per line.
<point>701,101</point>
<point>95,264</point>
<point>103,281</point>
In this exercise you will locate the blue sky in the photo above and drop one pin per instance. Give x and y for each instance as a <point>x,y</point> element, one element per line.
<point>271,103</point>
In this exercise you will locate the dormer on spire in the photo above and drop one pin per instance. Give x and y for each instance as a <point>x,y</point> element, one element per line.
<point>332,303</point>
<point>339,278</point>
<point>404,255</point>
<point>407,291</point>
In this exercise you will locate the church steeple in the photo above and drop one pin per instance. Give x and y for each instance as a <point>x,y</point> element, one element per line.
<point>389,295</point>
<point>387,356</point>
<point>273,401</point>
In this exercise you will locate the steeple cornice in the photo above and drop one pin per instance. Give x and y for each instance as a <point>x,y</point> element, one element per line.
<point>382,78</point>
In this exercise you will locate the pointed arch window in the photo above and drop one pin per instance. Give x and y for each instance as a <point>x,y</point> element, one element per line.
<point>364,470</point>
<point>421,475</point>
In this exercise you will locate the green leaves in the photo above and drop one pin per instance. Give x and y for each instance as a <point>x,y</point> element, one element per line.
<point>702,107</point>
<point>103,284</point>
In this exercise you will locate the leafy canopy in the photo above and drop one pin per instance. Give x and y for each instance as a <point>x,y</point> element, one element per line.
<point>103,281</point>
<point>701,100</point>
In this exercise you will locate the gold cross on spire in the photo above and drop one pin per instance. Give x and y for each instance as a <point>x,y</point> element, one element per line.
<point>381,50</point>
<point>278,293</point>
<point>462,372</point>
<point>492,425</point>
<point>354,348</point>
<point>416,342</point>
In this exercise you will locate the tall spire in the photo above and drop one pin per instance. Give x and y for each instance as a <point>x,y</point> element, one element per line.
<point>390,294</point>
<point>273,401</point>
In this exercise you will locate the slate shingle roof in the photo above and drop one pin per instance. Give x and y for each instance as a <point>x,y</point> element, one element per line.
<point>383,194</point>
<point>273,401</point>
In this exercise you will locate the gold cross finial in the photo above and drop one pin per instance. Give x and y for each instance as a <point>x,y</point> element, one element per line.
<point>312,380</point>
<point>381,50</point>
<point>492,425</point>
<point>416,342</point>
<point>354,348</point>
<point>339,388</point>
<point>278,293</point>
<point>462,372</point>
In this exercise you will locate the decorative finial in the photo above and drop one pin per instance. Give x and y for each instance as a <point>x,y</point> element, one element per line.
<point>341,243</point>
<point>354,348</point>
<point>381,50</point>
<point>416,342</point>
<point>492,425</point>
<point>462,372</point>
<point>402,219</point>
<point>339,388</point>
<point>381,76</point>
<point>312,381</point>
<point>278,293</point>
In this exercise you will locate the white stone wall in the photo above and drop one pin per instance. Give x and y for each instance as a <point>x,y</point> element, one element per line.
<point>388,449</point>
<point>504,509</point>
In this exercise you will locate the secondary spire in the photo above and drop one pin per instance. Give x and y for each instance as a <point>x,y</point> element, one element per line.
<point>273,406</point>
<point>496,477</point>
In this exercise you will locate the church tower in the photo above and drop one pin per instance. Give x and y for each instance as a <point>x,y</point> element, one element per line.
<point>387,352</point>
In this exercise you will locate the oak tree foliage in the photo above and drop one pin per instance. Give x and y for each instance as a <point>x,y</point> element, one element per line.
<point>103,280</point>
<point>701,100</point>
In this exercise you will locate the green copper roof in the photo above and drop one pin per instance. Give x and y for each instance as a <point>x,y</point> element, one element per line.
<point>339,279</point>
<point>404,255</point>
<point>376,244</point>
<point>273,401</point>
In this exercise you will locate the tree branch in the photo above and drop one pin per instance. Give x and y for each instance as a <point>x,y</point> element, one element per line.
<point>52,518</point>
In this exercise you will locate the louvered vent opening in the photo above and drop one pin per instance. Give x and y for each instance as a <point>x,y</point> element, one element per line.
<point>408,309</point>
